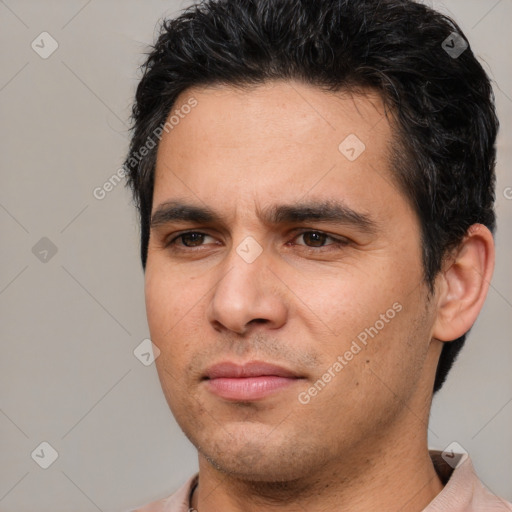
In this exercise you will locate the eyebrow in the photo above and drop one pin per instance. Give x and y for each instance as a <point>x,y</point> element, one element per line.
<point>320,211</point>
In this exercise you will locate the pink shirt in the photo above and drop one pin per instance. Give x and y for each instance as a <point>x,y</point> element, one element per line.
<point>463,492</point>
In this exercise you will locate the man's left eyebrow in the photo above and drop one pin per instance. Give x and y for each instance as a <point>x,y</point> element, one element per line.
<point>320,211</point>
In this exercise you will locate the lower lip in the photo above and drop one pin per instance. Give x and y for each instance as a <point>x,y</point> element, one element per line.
<point>248,388</point>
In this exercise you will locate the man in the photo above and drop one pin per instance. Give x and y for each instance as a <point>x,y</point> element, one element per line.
<point>315,182</point>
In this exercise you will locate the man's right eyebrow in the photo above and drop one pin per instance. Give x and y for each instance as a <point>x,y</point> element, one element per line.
<point>177,211</point>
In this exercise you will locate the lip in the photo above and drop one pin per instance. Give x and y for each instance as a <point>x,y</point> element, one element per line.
<point>253,380</point>
<point>231,370</point>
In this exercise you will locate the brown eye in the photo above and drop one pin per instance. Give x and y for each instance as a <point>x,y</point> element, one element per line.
<point>317,239</point>
<point>189,239</point>
<point>194,238</point>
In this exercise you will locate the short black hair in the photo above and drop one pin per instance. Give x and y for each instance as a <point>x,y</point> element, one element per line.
<point>416,58</point>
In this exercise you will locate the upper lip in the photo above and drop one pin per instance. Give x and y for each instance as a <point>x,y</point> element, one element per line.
<point>228,369</point>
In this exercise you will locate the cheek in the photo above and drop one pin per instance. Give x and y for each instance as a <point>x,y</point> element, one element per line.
<point>175,314</point>
<point>158,306</point>
<point>360,316</point>
<point>162,310</point>
<point>341,304</point>
<point>168,297</point>
<point>374,378</point>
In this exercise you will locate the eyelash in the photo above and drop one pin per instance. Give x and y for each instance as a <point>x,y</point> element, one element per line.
<point>339,242</point>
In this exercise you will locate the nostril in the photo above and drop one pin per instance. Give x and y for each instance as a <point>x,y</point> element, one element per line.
<point>258,320</point>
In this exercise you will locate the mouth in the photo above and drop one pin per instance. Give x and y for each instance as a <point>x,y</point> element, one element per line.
<point>251,381</point>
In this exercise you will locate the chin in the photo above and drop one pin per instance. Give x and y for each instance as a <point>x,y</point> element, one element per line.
<point>260,455</point>
<point>265,471</point>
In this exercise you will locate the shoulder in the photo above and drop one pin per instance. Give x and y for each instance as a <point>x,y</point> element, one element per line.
<point>176,502</point>
<point>463,490</point>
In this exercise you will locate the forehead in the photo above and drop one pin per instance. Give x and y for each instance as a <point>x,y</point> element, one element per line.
<point>281,139</point>
<point>287,112</point>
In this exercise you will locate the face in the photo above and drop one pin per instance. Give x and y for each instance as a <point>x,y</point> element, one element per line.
<point>284,280</point>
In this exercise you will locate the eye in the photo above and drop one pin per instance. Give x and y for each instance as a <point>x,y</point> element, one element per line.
<point>314,241</point>
<point>317,238</point>
<point>193,237</point>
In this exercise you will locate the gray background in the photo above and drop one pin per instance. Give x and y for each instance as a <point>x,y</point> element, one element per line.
<point>70,324</point>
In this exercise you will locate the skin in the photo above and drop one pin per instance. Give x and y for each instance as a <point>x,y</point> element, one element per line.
<point>361,443</point>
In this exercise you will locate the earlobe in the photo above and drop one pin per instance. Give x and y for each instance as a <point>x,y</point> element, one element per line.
<point>463,284</point>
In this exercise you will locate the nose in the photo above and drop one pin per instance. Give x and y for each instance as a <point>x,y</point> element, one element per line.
<point>247,294</point>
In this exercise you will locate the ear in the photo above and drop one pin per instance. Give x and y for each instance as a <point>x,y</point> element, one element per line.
<point>463,284</point>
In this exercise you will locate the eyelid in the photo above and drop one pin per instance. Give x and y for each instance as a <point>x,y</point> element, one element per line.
<point>337,238</point>
<point>171,239</point>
